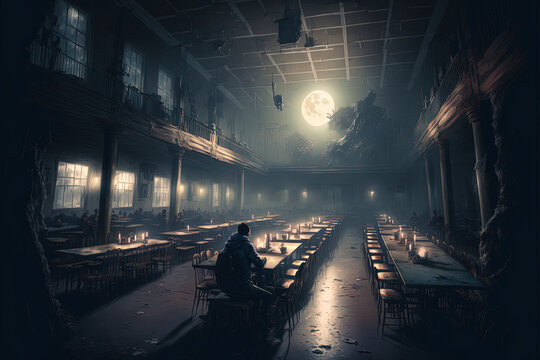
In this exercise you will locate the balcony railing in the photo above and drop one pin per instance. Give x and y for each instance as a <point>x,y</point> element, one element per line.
<point>486,27</point>
<point>132,98</point>
<point>54,60</point>
<point>459,66</point>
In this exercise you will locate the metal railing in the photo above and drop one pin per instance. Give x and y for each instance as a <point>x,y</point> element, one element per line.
<point>484,29</point>
<point>56,61</point>
<point>458,67</point>
<point>150,104</point>
<point>234,146</point>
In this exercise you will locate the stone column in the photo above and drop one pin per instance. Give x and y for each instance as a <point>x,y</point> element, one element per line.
<point>447,188</point>
<point>108,168</point>
<point>429,182</point>
<point>176,177</point>
<point>240,189</point>
<point>480,151</point>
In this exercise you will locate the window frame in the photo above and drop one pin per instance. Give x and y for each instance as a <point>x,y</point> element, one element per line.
<point>169,74</point>
<point>115,192</point>
<point>166,193</point>
<point>84,187</point>
<point>63,36</point>
<point>133,50</point>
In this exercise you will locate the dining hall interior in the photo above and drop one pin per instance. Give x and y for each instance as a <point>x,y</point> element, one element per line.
<point>256,179</point>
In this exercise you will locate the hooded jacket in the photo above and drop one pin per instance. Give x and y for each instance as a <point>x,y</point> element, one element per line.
<point>245,254</point>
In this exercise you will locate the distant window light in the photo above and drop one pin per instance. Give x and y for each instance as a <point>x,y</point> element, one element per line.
<point>71,182</point>
<point>165,90</point>
<point>215,195</point>
<point>124,184</point>
<point>71,29</point>
<point>161,192</point>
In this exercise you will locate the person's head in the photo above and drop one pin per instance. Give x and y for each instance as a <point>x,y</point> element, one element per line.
<point>243,229</point>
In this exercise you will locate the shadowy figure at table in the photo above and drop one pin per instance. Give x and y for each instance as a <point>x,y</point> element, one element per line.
<point>234,276</point>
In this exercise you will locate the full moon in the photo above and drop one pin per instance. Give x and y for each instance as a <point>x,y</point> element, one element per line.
<point>316,106</point>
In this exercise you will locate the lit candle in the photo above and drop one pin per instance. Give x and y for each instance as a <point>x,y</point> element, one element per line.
<point>252,216</point>
<point>119,238</point>
<point>135,237</point>
<point>399,228</point>
<point>401,234</point>
<point>414,237</point>
<point>188,228</point>
<point>410,247</point>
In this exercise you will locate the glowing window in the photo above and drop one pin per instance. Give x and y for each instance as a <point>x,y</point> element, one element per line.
<point>71,182</point>
<point>215,195</point>
<point>124,184</point>
<point>161,192</point>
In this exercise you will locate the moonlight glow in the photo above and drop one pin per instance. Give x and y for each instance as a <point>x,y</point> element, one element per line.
<point>317,106</point>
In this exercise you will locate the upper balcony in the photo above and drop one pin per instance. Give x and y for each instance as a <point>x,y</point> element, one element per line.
<point>477,67</point>
<point>142,110</point>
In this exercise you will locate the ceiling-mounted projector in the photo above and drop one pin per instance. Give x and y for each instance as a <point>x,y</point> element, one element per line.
<point>289,27</point>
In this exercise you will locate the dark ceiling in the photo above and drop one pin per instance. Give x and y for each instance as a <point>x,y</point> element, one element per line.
<point>354,40</point>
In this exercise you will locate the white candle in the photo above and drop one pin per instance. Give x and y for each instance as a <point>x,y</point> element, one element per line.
<point>119,238</point>
<point>135,237</point>
<point>188,228</point>
<point>410,247</point>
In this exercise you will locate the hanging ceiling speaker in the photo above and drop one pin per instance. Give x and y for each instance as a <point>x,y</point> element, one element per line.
<point>289,27</point>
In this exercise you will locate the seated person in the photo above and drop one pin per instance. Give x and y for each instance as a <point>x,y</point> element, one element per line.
<point>243,254</point>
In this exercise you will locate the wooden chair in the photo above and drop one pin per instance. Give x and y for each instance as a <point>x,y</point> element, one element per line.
<point>163,258</point>
<point>202,286</point>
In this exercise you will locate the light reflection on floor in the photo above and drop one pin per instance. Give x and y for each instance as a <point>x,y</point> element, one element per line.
<point>340,320</point>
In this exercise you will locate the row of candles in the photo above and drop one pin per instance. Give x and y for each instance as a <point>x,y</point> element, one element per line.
<point>132,238</point>
<point>268,237</point>
<point>411,246</point>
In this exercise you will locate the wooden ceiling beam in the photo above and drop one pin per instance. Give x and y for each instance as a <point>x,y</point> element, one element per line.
<point>385,45</point>
<point>345,41</point>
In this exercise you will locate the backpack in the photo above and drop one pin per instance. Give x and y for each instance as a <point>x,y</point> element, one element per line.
<point>226,272</point>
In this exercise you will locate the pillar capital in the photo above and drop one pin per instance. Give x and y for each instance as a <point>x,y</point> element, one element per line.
<point>443,143</point>
<point>176,151</point>
<point>473,114</point>
<point>113,129</point>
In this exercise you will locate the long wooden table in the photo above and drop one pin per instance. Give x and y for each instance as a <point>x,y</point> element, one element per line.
<point>441,270</point>
<point>98,250</point>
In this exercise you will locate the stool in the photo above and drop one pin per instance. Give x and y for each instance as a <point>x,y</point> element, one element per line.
<point>387,279</point>
<point>297,263</point>
<point>393,303</point>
